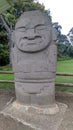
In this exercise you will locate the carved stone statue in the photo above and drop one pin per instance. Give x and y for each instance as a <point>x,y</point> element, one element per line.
<point>34,60</point>
<point>34,64</point>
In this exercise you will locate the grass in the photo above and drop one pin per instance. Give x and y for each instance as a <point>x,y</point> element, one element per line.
<point>65,66</point>
<point>6,85</point>
<point>5,68</point>
<point>6,77</point>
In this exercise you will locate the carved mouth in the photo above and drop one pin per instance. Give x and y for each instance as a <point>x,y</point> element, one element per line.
<point>31,43</point>
<point>32,37</point>
<point>25,42</point>
<point>31,40</point>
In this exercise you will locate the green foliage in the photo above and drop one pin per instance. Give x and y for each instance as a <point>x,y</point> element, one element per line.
<point>4,55</point>
<point>63,58</point>
<point>65,66</point>
<point>3,6</point>
<point>70,51</point>
<point>65,51</point>
<point>4,49</point>
<point>12,9</point>
<point>10,18</point>
<point>18,7</point>
<point>5,68</point>
<point>3,36</point>
<point>6,77</point>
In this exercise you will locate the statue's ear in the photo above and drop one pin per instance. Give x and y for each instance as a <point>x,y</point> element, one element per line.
<point>54,35</point>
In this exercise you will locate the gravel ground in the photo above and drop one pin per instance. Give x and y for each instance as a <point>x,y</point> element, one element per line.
<point>67,98</point>
<point>7,95</point>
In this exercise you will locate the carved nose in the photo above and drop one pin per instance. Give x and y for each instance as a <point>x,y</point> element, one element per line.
<point>32,34</point>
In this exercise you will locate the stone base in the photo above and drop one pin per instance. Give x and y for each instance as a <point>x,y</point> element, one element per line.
<point>19,117</point>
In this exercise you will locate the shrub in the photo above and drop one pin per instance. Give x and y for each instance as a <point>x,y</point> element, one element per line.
<point>4,55</point>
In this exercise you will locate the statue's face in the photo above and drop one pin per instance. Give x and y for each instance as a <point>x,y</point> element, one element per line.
<point>33,33</point>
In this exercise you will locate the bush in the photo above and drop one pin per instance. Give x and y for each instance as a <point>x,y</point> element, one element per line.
<point>65,51</point>
<point>64,58</point>
<point>4,55</point>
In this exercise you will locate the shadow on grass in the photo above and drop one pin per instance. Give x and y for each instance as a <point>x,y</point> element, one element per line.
<point>65,88</point>
<point>7,85</point>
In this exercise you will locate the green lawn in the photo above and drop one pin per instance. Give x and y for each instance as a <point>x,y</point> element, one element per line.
<point>65,67</point>
<point>6,77</point>
<point>62,66</point>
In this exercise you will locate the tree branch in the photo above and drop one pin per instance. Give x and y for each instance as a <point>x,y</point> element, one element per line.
<point>5,24</point>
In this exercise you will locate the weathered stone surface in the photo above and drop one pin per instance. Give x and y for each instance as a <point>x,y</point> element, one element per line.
<point>20,117</point>
<point>34,64</point>
<point>35,93</point>
<point>34,59</point>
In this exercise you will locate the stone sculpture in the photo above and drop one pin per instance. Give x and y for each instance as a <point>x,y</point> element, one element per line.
<point>34,64</point>
<point>35,55</point>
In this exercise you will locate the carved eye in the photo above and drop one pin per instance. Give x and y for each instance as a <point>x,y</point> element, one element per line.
<point>41,28</point>
<point>21,29</point>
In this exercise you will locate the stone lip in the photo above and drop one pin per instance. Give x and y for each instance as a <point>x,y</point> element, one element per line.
<point>31,120</point>
<point>38,109</point>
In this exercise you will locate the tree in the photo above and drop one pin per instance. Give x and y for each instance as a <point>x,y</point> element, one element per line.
<point>61,37</point>
<point>58,29</point>
<point>4,49</point>
<point>70,36</point>
<point>4,5</point>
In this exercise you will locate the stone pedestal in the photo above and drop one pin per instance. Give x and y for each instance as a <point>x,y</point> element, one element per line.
<point>20,117</point>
